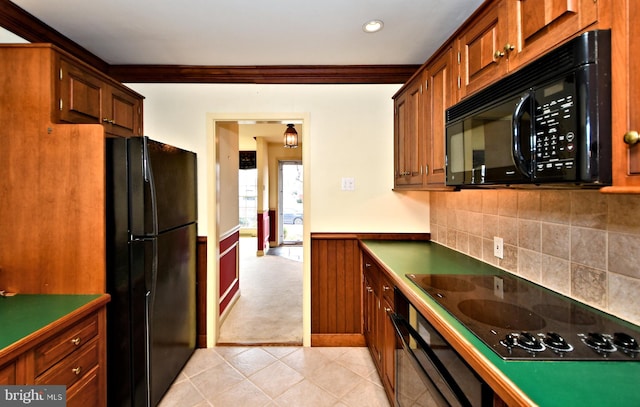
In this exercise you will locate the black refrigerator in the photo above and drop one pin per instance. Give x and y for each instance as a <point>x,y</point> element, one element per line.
<point>151,262</point>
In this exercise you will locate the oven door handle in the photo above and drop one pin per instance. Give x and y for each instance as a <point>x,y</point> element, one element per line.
<point>440,381</point>
<point>516,145</point>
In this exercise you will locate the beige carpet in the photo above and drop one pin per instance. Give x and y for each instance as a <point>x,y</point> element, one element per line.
<point>269,310</point>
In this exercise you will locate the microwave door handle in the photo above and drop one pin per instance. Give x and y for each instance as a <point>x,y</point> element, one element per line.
<point>516,145</point>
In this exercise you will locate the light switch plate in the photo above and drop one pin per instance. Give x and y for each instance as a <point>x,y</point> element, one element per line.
<point>348,184</point>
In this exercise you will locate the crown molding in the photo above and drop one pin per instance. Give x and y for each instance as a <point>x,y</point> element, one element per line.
<point>292,74</point>
<point>27,26</point>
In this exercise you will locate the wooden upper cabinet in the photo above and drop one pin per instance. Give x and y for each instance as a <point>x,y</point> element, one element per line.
<point>439,95</point>
<point>408,136</point>
<point>80,98</point>
<point>84,97</point>
<point>625,94</point>
<point>122,113</point>
<point>507,34</point>
<point>480,49</point>
<point>536,26</point>
<point>419,136</point>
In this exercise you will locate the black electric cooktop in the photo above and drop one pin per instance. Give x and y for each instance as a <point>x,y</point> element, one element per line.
<point>521,320</point>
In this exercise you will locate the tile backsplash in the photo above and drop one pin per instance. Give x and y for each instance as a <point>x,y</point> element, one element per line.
<point>579,243</point>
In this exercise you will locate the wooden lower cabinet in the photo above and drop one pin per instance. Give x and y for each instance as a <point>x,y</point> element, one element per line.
<point>378,328</point>
<point>72,353</point>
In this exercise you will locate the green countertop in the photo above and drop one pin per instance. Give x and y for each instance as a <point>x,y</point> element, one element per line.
<point>546,383</point>
<point>24,314</point>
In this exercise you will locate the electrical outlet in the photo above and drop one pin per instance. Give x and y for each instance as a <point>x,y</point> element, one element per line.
<point>498,250</point>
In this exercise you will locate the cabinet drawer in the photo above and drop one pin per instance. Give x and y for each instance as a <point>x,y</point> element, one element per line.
<point>86,392</point>
<point>386,288</point>
<point>71,369</point>
<point>371,270</point>
<point>60,346</point>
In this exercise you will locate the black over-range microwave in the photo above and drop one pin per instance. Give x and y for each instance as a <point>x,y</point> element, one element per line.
<point>547,123</point>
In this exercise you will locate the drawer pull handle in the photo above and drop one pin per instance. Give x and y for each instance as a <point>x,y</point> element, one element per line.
<point>77,370</point>
<point>76,341</point>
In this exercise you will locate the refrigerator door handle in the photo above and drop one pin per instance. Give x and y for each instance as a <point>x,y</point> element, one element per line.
<point>148,177</point>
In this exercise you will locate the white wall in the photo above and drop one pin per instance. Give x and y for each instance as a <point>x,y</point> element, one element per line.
<point>351,135</point>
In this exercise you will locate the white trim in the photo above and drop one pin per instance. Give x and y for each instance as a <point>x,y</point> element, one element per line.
<point>213,280</point>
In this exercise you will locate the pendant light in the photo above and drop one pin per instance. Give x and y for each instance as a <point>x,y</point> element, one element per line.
<point>290,137</point>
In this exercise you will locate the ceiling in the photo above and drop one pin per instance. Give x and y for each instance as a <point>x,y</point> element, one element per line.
<point>254,32</point>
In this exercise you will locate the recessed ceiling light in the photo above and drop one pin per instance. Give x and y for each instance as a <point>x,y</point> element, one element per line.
<point>372,26</point>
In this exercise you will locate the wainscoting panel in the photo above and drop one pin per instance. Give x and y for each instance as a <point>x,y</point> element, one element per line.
<point>229,272</point>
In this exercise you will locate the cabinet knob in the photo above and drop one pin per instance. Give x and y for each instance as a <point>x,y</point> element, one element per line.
<point>508,47</point>
<point>498,54</point>
<point>77,370</point>
<point>369,289</point>
<point>76,341</point>
<point>631,137</point>
<point>387,310</point>
<point>385,288</point>
<point>367,265</point>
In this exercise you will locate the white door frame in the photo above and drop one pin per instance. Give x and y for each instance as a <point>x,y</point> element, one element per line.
<point>213,232</point>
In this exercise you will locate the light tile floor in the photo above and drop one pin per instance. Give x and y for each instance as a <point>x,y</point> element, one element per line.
<point>277,376</point>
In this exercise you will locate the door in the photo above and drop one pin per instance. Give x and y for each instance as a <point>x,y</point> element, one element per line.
<point>290,177</point>
<point>171,304</point>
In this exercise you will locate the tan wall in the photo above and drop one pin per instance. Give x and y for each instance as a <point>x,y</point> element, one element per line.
<point>580,243</point>
<point>229,160</point>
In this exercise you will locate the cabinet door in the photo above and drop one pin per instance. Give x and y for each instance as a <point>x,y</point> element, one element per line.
<point>481,47</point>
<point>122,114</point>
<point>388,337</point>
<point>370,323</point>
<point>408,136</point>
<point>80,98</point>
<point>536,26</point>
<point>625,93</point>
<point>440,83</point>
<point>8,374</point>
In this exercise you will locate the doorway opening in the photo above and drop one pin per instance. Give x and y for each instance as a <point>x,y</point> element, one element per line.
<point>268,307</point>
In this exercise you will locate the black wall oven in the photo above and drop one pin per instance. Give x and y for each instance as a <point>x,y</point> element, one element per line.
<point>428,370</point>
<point>547,123</point>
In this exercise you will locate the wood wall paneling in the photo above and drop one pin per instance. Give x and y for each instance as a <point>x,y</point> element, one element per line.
<point>336,286</point>
<point>335,276</point>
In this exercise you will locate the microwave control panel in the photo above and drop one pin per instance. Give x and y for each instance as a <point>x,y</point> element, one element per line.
<point>555,133</point>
